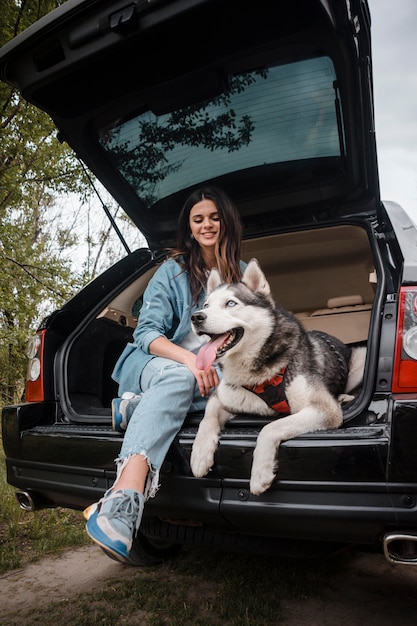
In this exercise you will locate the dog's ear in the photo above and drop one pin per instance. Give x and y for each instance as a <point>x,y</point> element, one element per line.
<point>255,279</point>
<point>213,281</point>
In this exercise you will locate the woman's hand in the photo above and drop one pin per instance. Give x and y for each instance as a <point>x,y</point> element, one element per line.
<point>206,379</point>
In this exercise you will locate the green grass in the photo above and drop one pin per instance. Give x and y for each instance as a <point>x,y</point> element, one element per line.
<point>26,537</point>
<point>201,587</point>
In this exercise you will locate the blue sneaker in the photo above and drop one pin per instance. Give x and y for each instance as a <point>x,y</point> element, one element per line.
<point>122,410</point>
<point>114,521</point>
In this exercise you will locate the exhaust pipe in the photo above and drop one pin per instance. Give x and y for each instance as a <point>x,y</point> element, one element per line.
<point>31,501</point>
<point>401,548</point>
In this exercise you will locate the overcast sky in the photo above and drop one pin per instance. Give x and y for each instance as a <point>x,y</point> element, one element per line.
<point>394,45</point>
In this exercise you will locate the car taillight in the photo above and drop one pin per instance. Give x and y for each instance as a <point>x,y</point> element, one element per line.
<point>405,360</point>
<point>34,378</point>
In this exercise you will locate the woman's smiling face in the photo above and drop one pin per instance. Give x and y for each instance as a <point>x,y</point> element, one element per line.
<point>205,224</point>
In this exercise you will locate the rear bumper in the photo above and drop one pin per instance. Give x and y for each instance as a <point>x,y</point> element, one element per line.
<point>311,511</point>
<point>350,485</point>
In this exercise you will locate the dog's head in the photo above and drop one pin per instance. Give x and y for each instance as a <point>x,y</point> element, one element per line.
<point>235,317</point>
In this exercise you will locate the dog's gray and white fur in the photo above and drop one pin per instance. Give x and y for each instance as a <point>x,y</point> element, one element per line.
<point>261,338</point>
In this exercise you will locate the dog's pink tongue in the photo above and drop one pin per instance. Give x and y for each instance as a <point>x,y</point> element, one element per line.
<point>207,353</point>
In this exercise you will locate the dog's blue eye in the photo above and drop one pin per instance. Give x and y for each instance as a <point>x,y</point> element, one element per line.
<point>231,303</point>
<point>205,305</point>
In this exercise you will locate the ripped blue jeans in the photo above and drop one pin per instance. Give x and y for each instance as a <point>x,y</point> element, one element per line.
<point>170,391</point>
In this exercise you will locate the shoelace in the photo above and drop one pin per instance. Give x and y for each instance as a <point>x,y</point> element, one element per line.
<point>126,506</point>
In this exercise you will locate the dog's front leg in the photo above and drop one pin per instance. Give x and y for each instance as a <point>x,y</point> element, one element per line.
<point>264,464</point>
<point>308,419</point>
<point>207,439</point>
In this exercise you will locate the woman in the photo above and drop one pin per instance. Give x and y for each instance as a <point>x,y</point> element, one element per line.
<point>159,381</point>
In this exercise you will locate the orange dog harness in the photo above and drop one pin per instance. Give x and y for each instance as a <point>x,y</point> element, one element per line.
<point>272,392</point>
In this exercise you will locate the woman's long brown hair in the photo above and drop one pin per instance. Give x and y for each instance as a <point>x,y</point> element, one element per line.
<point>228,248</point>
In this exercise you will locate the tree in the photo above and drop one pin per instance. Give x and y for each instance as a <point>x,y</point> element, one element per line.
<point>35,169</point>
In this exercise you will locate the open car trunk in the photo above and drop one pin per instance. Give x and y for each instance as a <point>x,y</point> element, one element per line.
<point>328,277</point>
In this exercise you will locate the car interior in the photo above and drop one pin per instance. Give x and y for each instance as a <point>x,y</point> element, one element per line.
<point>325,276</point>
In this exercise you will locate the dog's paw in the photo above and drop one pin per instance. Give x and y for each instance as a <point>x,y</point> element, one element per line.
<point>202,458</point>
<point>345,397</point>
<point>261,479</point>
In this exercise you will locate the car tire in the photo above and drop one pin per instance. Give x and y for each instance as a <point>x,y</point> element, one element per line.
<point>148,551</point>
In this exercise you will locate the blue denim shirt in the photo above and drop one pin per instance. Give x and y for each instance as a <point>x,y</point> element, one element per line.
<point>166,312</point>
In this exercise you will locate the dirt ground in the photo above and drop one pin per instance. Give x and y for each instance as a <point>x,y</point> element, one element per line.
<point>368,591</point>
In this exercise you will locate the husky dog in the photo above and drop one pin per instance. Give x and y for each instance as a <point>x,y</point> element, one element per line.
<point>270,366</point>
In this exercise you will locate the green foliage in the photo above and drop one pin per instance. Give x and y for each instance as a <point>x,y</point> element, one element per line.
<point>35,169</point>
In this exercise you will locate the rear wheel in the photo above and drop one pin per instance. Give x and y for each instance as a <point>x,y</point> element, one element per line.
<point>148,551</point>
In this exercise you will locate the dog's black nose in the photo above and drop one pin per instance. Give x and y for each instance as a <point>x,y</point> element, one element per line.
<point>198,317</point>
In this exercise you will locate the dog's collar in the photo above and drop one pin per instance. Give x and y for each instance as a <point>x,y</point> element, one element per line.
<point>272,393</point>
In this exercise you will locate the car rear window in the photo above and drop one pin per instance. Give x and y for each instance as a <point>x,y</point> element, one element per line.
<point>279,114</point>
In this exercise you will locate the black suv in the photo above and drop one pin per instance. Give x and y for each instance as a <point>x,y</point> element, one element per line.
<point>273,103</point>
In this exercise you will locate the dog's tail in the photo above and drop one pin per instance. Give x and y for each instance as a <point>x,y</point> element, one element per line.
<point>356,368</point>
